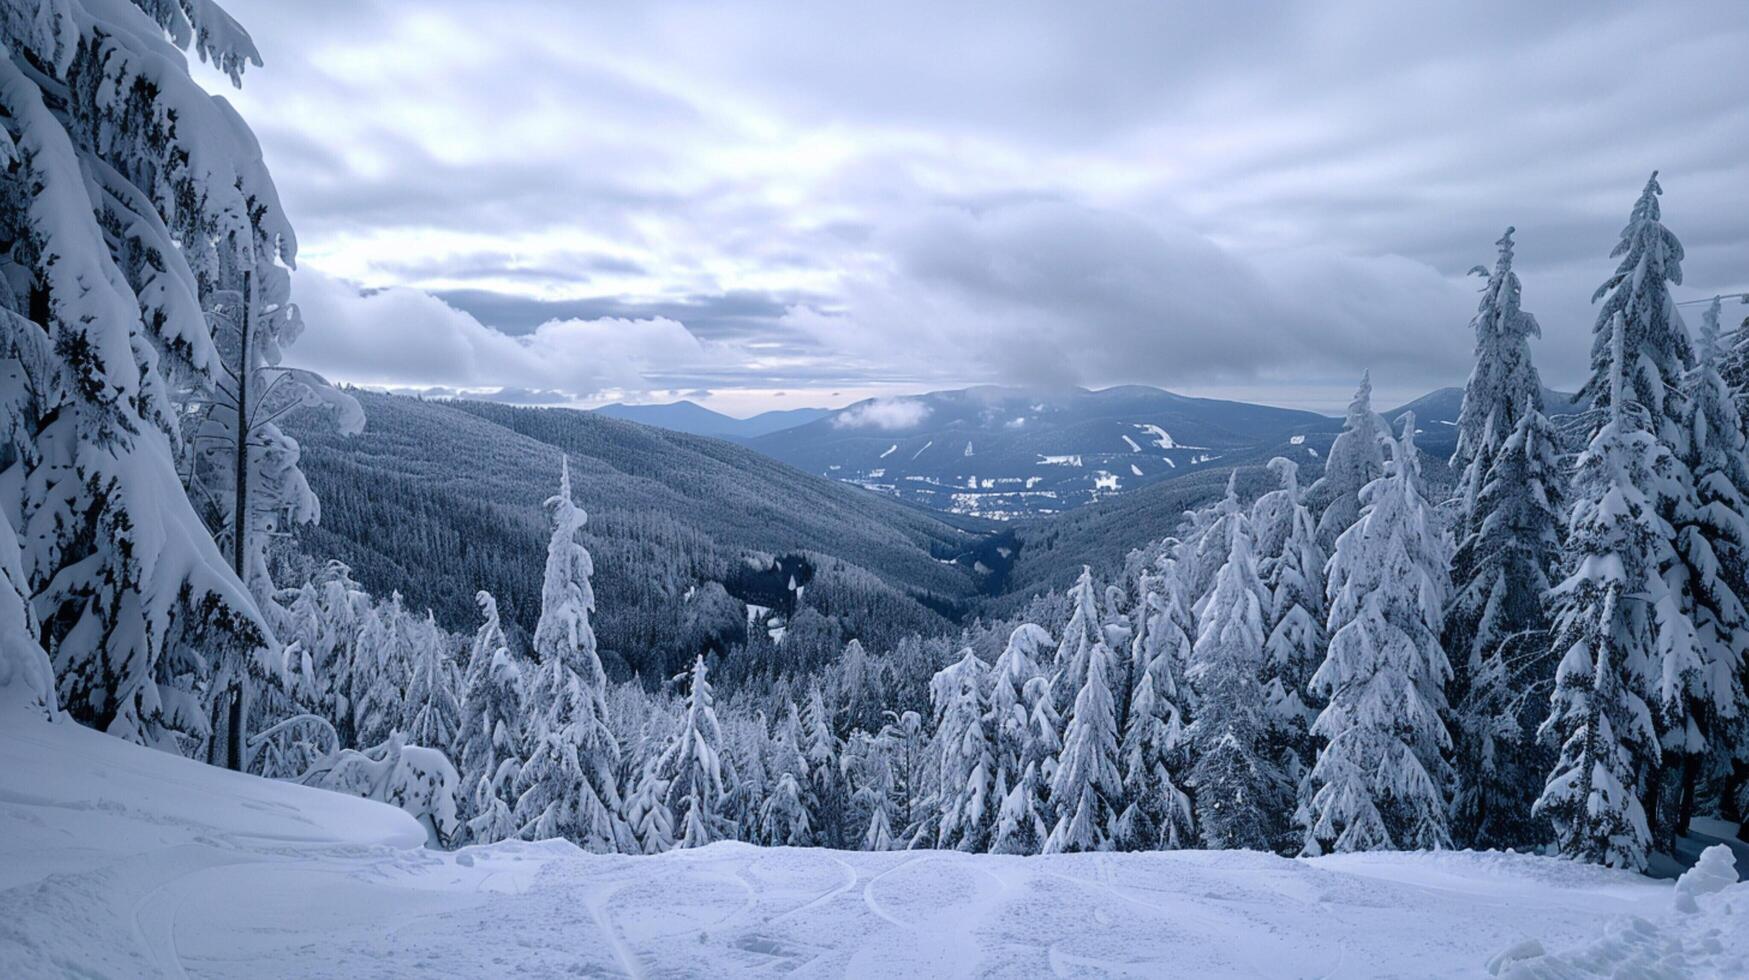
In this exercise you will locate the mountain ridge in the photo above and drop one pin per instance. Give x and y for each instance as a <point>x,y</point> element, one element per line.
<point>692,418</point>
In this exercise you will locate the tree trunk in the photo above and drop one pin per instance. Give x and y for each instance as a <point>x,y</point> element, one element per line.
<point>1685,801</point>
<point>1651,777</point>
<point>235,713</point>
<point>240,505</point>
<point>234,728</point>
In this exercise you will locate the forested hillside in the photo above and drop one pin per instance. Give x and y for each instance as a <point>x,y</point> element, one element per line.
<point>441,499</point>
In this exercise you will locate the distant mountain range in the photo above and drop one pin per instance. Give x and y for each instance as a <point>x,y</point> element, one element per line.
<point>1009,453</point>
<point>693,418</point>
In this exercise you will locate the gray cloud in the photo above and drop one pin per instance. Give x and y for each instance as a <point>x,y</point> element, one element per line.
<point>1245,195</point>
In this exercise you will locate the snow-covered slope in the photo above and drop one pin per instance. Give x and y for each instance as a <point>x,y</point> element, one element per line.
<point>118,862</point>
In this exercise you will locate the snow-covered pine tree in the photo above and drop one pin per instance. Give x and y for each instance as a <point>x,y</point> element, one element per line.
<point>869,773</point>
<point>1176,632</point>
<point>857,687</point>
<point>1508,547</point>
<point>434,712</point>
<point>1655,339</point>
<point>648,817</point>
<point>692,769</point>
<point>1205,546</point>
<point>1156,813</point>
<point>1503,385</point>
<point>1734,366</point>
<point>791,819</point>
<point>1381,776</point>
<point>783,817</point>
<point>1241,792</point>
<point>1023,819</point>
<point>821,748</point>
<point>1356,458</point>
<point>1010,710</point>
<point>27,681</point>
<point>567,785</point>
<point>900,769</point>
<point>1606,614</point>
<point>745,748</point>
<point>1657,356</point>
<point>1080,636</point>
<point>959,693</point>
<point>785,751</point>
<point>1291,567</point>
<point>1701,691</point>
<point>1087,785</point>
<point>322,630</point>
<point>381,672</point>
<point>491,740</point>
<point>130,198</point>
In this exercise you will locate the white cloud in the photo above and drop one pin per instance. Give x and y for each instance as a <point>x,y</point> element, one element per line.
<point>405,337</point>
<point>883,413</point>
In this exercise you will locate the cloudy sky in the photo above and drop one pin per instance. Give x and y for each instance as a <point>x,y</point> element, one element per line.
<point>775,205</point>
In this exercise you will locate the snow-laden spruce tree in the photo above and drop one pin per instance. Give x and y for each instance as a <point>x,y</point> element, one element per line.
<point>692,769</point>
<point>27,682</point>
<point>1020,662</point>
<point>783,817</point>
<point>1655,339</point>
<point>1504,384</point>
<point>1087,785</point>
<point>1083,633</point>
<point>1380,779</point>
<point>1241,792</point>
<point>646,815</point>
<point>323,621</point>
<point>958,693</point>
<point>567,786</point>
<point>904,763</point>
<point>1204,550</point>
<point>1734,365</point>
<point>1657,356</point>
<point>786,813</point>
<point>1607,614</point>
<point>1023,819</point>
<point>744,745</point>
<point>490,744</point>
<point>130,198</point>
<point>822,749</point>
<point>434,711</point>
<point>1511,493</point>
<point>381,672</point>
<point>1701,688</point>
<point>868,770</point>
<point>1356,458</point>
<point>1291,566</point>
<point>1152,743</point>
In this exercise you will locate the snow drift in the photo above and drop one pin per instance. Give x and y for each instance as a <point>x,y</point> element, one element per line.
<point>121,861</point>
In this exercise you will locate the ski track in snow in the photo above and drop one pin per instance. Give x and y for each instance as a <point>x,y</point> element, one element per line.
<point>119,862</point>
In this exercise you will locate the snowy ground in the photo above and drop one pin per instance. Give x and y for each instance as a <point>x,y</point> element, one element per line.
<point>115,861</point>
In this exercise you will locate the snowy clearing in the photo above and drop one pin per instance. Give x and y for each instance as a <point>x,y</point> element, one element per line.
<point>118,861</point>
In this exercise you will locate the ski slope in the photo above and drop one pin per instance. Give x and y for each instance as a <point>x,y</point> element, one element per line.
<point>119,862</point>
